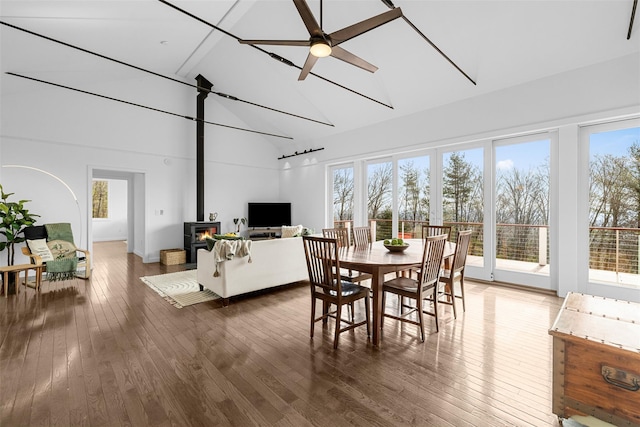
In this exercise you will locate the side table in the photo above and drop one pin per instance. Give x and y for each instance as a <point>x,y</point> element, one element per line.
<point>16,270</point>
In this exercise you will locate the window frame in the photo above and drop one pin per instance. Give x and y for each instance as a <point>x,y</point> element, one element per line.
<point>108,185</point>
<point>614,290</point>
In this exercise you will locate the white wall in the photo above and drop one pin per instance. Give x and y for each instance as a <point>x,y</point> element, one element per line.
<point>67,134</point>
<point>115,226</point>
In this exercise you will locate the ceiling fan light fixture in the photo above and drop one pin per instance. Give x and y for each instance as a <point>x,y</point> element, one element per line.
<point>320,49</point>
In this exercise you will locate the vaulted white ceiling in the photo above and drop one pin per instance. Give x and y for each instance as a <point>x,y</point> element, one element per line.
<point>497,43</point>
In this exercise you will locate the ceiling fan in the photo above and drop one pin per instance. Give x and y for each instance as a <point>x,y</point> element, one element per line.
<point>322,44</point>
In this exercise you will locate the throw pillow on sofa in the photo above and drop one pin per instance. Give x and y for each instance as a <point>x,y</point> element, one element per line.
<point>39,247</point>
<point>291,230</point>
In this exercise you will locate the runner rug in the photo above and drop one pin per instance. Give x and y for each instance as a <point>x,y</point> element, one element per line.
<point>180,289</point>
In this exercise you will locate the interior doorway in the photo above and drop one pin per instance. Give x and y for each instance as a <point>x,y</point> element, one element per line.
<point>128,222</point>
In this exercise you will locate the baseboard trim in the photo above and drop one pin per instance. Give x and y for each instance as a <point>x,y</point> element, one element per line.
<point>551,292</point>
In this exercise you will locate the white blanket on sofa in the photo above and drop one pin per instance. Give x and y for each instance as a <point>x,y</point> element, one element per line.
<point>225,250</point>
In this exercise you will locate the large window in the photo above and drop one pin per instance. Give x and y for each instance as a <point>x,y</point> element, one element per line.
<point>380,198</point>
<point>463,197</point>
<point>522,205</point>
<point>343,192</point>
<point>413,195</point>
<point>614,204</point>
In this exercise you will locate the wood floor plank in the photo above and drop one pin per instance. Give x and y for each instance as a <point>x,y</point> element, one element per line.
<point>109,351</point>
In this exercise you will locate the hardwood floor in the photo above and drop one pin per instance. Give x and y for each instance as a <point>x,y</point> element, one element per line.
<point>110,352</point>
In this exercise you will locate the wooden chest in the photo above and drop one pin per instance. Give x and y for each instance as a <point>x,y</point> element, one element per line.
<point>596,359</point>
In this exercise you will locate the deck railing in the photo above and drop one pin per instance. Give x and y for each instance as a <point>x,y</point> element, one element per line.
<point>612,249</point>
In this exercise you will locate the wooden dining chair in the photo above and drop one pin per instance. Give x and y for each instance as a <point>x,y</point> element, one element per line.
<point>436,230</point>
<point>343,238</point>
<point>427,231</point>
<point>424,287</point>
<point>362,237</point>
<point>323,262</point>
<point>456,271</point>
<point>340,234</point>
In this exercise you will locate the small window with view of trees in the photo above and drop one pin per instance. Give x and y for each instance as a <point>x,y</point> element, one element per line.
<point>100,199</point>
<point>342,195</point>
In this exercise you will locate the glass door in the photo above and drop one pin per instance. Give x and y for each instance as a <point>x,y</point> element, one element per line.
<point>522,210</point>
<point>342,179</point>
<point>613,200</point>
<point>462,189</point>
<point>380,198</point>
<point>413,195</point>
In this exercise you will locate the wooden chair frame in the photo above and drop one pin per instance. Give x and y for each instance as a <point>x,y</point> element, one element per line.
<point>326,285</point>
<point>436,230</point>
<point>418,289</point>
<point>362,237</point>
<point>343,239</point>
<point>456,272</point>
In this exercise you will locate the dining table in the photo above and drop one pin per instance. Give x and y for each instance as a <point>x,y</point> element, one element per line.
<point>378,261</point>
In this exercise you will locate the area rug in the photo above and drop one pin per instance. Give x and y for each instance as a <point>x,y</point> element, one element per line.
<point>180,289</point>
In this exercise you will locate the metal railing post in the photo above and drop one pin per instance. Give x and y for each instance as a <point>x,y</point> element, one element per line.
<point>617,253</point>
<point>542,246</point>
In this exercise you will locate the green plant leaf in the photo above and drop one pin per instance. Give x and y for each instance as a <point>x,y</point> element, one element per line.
<point>15,217</point>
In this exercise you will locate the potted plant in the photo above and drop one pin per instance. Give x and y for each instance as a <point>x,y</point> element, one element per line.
<point>14,218</point>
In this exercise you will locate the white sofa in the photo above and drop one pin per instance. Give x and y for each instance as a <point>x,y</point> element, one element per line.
<point>274,262</point>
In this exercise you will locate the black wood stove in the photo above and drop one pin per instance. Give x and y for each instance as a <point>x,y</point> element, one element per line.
<point>194,235</point>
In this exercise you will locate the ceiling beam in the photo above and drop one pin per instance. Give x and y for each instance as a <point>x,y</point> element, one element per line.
<point>135,67</point>
<point>271,54</point>
<point>144,106</point>
<point>390,5</point>
<point>633,15</point>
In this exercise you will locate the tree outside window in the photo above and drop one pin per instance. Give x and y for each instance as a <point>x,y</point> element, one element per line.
<point>413,195</point>
<point>462,195</point>
<point>614,205</point>
<point>100,199</point>
<point>379,197</point>
<point>342,195</point>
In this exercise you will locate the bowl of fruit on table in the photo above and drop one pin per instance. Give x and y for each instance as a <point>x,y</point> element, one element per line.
<point>395,245</point>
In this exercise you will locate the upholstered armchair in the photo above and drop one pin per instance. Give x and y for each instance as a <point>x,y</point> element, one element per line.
<point>54,245</point>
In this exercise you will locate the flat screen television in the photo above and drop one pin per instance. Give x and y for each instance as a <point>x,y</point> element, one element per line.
<point>266,215</point>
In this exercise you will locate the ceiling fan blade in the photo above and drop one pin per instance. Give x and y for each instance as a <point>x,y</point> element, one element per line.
<point>277,42</point>
<point>308,65</point>
<point>362,27</point>
<point>308,18</point>
<point>340,53</point>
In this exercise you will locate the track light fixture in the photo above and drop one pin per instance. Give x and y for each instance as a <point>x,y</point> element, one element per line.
<point>311,150</point>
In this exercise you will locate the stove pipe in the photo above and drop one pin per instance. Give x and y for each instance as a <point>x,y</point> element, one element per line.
<point>204,87</point>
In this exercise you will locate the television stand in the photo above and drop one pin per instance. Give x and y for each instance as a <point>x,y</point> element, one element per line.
<point>264,233</point>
